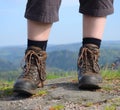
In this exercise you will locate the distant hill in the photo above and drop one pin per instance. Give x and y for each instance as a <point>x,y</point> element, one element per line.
<point>63,57</point>
<point>75,46</point>
<point>70,47</point>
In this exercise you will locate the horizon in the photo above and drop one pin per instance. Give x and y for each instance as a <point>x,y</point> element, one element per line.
<point>49,44</point>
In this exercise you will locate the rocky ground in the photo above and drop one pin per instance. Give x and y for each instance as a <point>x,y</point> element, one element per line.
<point>63,94</point>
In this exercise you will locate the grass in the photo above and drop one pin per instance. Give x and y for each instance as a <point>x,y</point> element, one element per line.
<point>57,107</point>
<point>111,107</point>
<point>114,102</point>
<point>56,75</point>
<point>106,74</point>
<point>6,88</point>
<point>51,76</point>
<point>41,93</point>
<point>89,104</point>
<point>110,74</point>
<point>107,87</point>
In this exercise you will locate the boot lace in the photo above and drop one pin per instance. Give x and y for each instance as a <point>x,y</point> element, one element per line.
<point>87,60</point>
<point>33,58</point>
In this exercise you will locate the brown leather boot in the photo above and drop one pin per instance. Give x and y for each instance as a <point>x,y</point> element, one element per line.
<point>34,73</point>
<point>88,69</point>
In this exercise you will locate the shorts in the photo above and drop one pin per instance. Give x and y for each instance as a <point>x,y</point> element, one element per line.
<point>47,11</point>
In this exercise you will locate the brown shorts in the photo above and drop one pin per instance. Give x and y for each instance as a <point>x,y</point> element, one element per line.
<point>47,11</point>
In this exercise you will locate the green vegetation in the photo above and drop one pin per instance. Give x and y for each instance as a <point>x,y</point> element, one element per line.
<point>52,76</point>
<point>110,74</point>
<point>60,74</point>
<point>9,75</point>
<point>6,88</point>
<point>111,107</point>
<point>107,87</point>
<point>12,75</point>
<point>41,93</point>
<point>57,107</point>
<point>63,57</point>
<point>89,104</point>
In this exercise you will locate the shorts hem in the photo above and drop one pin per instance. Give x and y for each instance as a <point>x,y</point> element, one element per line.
<point>97,12</point>
<point>42,18</point>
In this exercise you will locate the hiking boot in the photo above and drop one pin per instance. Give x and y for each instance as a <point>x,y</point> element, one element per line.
<point>34,73</point>
<point>88,69</point>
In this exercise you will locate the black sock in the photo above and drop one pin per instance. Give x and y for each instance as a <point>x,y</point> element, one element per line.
<point>92,41</point>
<point>40,44</point>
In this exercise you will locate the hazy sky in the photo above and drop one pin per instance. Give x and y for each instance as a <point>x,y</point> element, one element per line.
<point>13,29</point>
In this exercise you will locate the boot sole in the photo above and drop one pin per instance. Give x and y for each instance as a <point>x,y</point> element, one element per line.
<point>24,91</point>
<point>90,82</point>
<point>89,86</point>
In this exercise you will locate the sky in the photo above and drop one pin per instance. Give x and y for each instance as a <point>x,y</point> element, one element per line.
<point>13,26</point>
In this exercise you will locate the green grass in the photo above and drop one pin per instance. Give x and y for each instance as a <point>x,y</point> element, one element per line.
<point>106,74</point>
<point>41,93</point>
<point>6,89</point>
<point>110,74</point>
<point>57,107</point>
<point>56,75</point>
<point>52,76</point>
<point>111,107</point>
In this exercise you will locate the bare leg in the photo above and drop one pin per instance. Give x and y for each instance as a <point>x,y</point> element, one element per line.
<point>93,27</point>
<point>38,31</point>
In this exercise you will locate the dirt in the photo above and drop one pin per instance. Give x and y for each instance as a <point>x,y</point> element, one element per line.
<point>64,94</point>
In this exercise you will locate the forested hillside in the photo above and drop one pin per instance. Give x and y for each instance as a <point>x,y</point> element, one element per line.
<point>63,57</point>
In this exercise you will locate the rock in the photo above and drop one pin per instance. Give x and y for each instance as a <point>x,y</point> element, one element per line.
<point>63,94</point>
